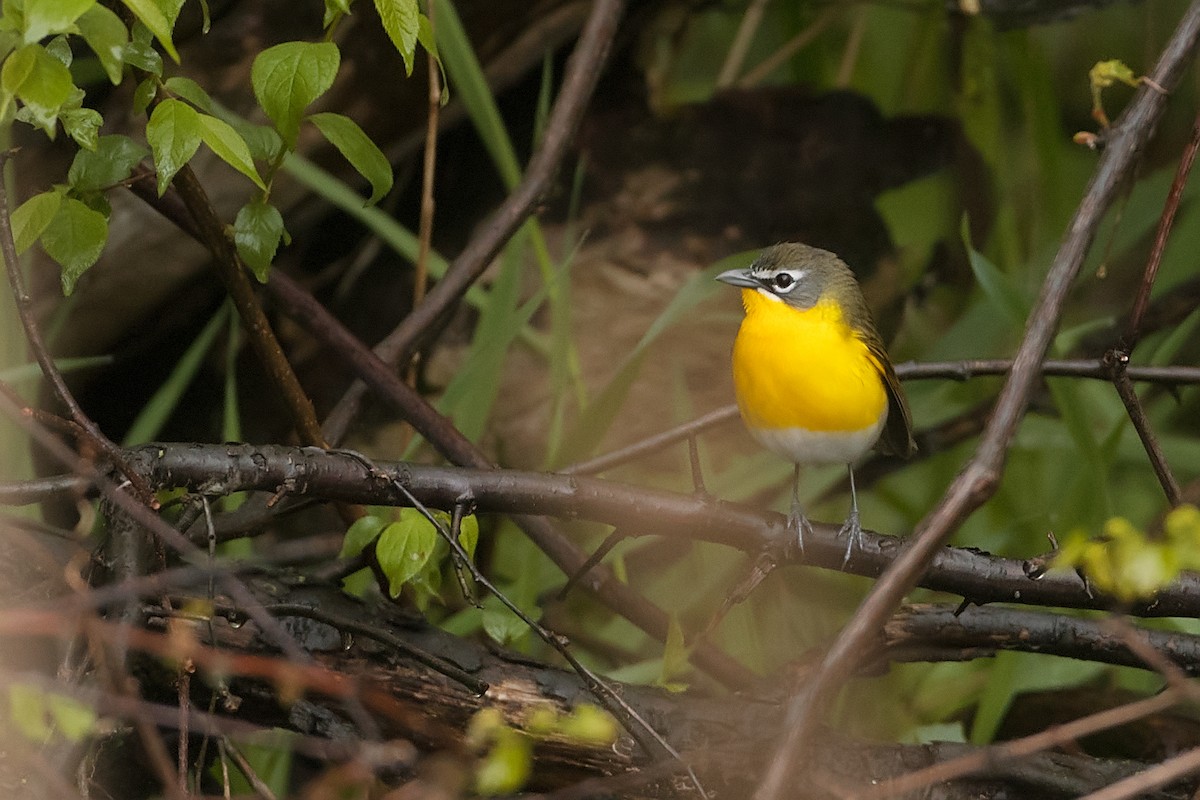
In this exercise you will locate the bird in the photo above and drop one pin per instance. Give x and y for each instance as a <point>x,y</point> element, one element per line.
<point>812,377</point>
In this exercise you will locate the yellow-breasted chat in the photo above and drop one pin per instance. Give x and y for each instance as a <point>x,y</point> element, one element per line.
<point>812,378</point>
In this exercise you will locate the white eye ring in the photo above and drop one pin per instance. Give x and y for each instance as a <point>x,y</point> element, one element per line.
<point>785,281</point>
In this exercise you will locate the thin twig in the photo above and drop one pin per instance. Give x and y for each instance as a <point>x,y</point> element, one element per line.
<point>1017,748</point>
<point>1118,357</point>
<point>1169,771</point>
<point>978,479</point>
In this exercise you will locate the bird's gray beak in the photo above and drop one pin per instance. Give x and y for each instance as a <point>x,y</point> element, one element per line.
<point>738,277</point>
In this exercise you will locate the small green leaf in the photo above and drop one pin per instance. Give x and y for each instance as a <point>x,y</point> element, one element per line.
<point>111,162</point>
<point>333,10</point>
<point>404,548</point>
<point>501,624</point>
<point>40,81</point>
<point>257,231</point>
<point>170,10</point>
<point>191,91</point>
<point>74,719</point>
<point>344,134</point>
<point>27,710</point>
<point>82,125</point>
<point>507,765</point>
<point>401,19</point>
<point>263,141</point>
<point>47,17</point>
<point>150,15</point>
<point>288,77</point>
<point>104,32</point>
<point>174,134</point>
<point>468,534</point>
<point>33,216</point>
<point>143,94</point>
<point>60,48</point>
<point>143,56</point>
<point>591,724</point>
<point>75,238</point>
<point>229,146</point>
<point>361,533</point>
<point>675,657</point>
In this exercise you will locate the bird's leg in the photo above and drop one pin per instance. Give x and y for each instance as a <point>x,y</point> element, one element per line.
<point>796,520</point>
<point>851,529</point>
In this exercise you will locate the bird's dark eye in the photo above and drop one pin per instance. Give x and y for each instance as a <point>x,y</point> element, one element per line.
<point>783,280</point>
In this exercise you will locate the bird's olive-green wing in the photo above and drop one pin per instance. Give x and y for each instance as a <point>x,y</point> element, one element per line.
<point>896,438</point>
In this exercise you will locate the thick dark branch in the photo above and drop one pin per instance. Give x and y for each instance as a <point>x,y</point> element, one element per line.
<point>726,739</point>
<point>940,633</point>
<point>979,577</point>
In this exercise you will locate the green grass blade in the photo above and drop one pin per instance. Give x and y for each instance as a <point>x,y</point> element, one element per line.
<point>154,415</point>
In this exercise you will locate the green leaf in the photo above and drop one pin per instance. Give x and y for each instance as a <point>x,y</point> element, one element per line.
<point>401,19</point>
<point>47,17</point>
<point>404,548</point>
<point>33,216</point>
<point>344,134</point>
<point>82,125</point>
<point>996,285</point>
<point>170,10</point>
<point>501,624</point>
<point>507,765</point>
<point>75,239</point>
<point>153,416</point>
<point>257,231</point>
<point>361,533</point>
<point>27,710</point>
<point>75,720</point>
<point>104,32</point>
<point>40,81</point>
<point>229,146</point>
<point>60,48</point>
<point>174,134</point>
<point>111,162</point>
<point>468,534</point>
<point>288,77</point>
<point>263,141</point>
<point>191,91</point>
<point>333,10</point>
<point>143,94</point>
<point>143,56</point>
<point>150,15</point>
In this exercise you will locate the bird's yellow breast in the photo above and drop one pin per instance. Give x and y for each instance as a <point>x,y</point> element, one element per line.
<point>804,369</point>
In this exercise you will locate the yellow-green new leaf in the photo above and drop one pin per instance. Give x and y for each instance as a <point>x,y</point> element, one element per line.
<point>104,32</point>
<point>75,238</point>
<point>48,17</point>
<point>32,217</point>
<point>229,146</point>
<point>150,15</point>
<point>400,20</point>
<point>40,81</point>
<point>350,140</point>
<point>174,134</point>
<point>288,77</point>
<point>404,548</point>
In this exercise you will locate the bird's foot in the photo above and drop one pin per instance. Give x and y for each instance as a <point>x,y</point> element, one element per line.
<point>799,524</point>
<point>853,532</point>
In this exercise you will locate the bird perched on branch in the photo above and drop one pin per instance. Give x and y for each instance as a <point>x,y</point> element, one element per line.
<point>813,381</point>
